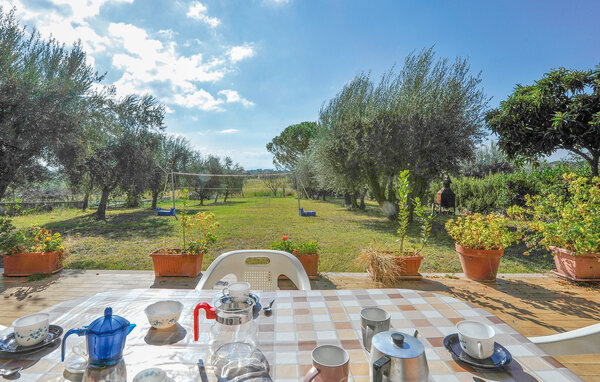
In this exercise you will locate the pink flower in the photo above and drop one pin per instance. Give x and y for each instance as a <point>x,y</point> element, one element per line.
<point>284,238</point>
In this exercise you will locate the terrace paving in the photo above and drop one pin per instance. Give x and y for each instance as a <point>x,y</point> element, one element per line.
<point>534,304</point>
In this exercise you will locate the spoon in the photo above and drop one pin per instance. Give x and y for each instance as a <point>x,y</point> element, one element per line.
<point>267,309</point>
<point>9,372</point>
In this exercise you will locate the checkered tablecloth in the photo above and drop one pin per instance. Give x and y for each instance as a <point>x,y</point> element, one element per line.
<point>301,321</point>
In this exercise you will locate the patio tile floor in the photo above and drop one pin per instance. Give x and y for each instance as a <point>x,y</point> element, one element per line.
<point>533,304</point>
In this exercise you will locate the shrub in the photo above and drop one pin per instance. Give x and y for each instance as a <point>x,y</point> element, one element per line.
<point>198,231</point>
<point>296,248</point>
<point>481,232</point>
<point>570,222</point>
<point>33,239</point>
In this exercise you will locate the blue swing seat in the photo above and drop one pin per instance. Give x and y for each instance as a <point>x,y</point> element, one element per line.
<point>161,212</point>
<point>307,213</point>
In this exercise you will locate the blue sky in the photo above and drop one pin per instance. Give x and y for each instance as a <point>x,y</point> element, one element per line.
<point>234,73</point>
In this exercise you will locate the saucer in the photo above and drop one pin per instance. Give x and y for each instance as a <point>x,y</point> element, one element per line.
<point>9,344</point>
<point>499,358</point>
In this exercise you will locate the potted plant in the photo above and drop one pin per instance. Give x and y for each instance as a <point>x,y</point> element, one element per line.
<point>306,252</point>
<point>480,242</point>
<point>388,263</point>
<point>568,225</point>
<point>198,235</point>
<point>29,251</point>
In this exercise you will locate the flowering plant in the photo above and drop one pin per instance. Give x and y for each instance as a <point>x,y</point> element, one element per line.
<point>295,248</point>
<point>482,232</point>
<point>198,231</point>
<point>34,239</point>
<point>569,222</point>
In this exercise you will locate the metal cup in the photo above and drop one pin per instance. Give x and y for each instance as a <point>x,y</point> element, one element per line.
<point>373,321</point>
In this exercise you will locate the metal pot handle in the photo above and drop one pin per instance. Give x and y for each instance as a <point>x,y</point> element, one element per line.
<point>381,367</point>
<point>312,374</point>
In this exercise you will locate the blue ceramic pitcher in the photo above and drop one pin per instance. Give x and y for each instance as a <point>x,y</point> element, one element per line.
<point>105,339</point>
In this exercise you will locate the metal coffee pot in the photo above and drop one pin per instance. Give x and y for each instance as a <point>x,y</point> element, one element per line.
<point>397,356</point>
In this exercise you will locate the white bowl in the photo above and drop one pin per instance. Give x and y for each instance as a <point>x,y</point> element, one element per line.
<point>152,375</point>
<point>163,314</point>
<point>32,329</point>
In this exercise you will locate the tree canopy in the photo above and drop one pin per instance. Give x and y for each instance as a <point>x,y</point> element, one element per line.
<point>559,111</point>
<point>289,146</point>
<point>43,92</point>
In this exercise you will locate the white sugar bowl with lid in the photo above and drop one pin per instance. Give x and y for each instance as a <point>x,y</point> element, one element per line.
<point>397,356</point>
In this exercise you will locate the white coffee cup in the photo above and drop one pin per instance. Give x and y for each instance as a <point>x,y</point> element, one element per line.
<point>239,289</point>
<point>476,338</point>
<point>32,329</point>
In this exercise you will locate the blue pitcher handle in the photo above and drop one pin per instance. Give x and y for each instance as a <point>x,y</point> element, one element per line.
<point>79,332</point>
<point>131,326</point>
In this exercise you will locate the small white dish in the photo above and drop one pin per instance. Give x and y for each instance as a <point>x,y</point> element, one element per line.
<point>152,375</point>
<point>163,314</point>
<point>31,329</point>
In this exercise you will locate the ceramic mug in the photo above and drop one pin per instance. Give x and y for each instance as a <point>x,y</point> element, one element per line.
<point>373,321</point>
<point>330,364</point>
<point>476,338</point>
<point>32,329</point>
<point>240,289</point>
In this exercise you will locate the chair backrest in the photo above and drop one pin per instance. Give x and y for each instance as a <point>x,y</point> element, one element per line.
<point>260,276</point>
<point>585,340</point>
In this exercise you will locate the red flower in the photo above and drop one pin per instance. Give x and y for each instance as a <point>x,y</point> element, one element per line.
<point>295,252</point>
<point>284,238</point>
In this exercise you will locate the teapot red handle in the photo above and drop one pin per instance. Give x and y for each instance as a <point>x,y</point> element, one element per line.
<point>210,315</point>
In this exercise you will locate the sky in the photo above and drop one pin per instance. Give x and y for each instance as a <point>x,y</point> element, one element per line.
<point>234,73</point>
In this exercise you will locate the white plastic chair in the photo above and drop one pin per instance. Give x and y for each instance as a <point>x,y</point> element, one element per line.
<point>579,341</point>
<point>260,276</point>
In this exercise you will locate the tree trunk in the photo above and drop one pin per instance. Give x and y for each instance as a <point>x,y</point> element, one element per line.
<point>347,199</point>
<point>216,197</point>
<point>594,163</point>
<point>362,199</point>
<point>378,190</point>
<point>101,212</point>
<point>154,198</point>
<point>226,195</point>
<point>324,194</point>
<point>354,202</point>
<point>86,201</point>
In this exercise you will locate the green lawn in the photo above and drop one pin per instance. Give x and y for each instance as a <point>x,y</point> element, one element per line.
<point>128,236</point>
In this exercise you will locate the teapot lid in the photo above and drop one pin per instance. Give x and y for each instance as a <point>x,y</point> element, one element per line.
<point>108,324</point>
<point>398,345</point>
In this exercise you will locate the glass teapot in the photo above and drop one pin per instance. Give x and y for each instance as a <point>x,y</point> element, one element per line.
<point>234,332</point>
<point>105,339</point>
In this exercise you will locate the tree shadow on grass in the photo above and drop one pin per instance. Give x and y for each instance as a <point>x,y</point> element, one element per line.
<point>141,222</point>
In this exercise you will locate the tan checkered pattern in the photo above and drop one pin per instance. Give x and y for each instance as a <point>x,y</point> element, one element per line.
<point>301,321</point>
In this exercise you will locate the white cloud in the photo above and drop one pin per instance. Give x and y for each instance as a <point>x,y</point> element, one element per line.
<point>229,131</point>
<point>231,96</point>
<point>147,61</point>
<point>198,10</point>
<point>238,53</point>
<point>276,2</point>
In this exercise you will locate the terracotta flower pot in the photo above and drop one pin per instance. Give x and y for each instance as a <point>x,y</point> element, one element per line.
<point>172,263</point>
<point>409,265</point>
<point>310,262</point>
<point>584,267</point>
<point>479,264</point>
<point>26,264</point>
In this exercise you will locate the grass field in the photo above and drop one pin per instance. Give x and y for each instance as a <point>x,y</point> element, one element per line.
<point>128,236</point>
